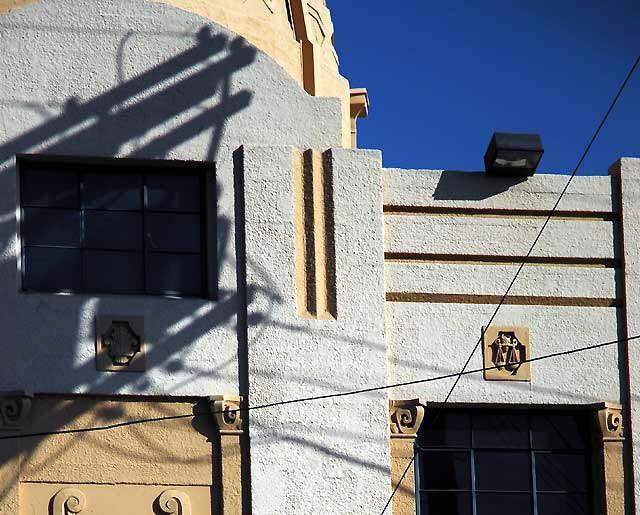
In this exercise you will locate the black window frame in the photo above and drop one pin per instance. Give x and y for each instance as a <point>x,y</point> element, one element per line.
<point>81,166</point>
<point>585,451</point>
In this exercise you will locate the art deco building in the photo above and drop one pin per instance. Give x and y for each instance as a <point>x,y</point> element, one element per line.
<point>189,237</point>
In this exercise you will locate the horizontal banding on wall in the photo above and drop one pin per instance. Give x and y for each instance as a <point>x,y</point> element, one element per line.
<point>419,257</point>
<point>605,216</point>
<point>511,300</point>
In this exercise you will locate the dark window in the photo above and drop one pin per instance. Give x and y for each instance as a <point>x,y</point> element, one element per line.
<point>113,226</point>
<point>478,462</point>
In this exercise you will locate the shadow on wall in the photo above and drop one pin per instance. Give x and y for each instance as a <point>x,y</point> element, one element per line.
<point>124,121</point>
<point>131,120</point>
<point>457,185</point>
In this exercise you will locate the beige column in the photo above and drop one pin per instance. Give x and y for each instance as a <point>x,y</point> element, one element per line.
<point>609,455</point>
<point>14,411</point>
<point>230,422</point>
<point>405,418</point>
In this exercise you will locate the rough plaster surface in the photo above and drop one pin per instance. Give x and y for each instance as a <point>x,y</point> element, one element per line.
<point>428,340</point>
<point>498,236</point>
<point>146,454</point>
<point>551,281</point>
<point>334,453</point>
<point>134,78</point>
<point>463,189</point>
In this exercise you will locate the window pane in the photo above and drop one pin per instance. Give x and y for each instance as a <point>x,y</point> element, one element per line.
<point>172,274</point>
<point>450,429</point>
<point>112,191</point>
<point>49,189</point>
<point>561,472</point>
<point>113,230</point>
<point>503,470</point>
<point>563,504</point>
<point>51,269</point>
<point>113,272</point>
<point>559,432</point>
<point>444,503</point>
<point>173,232</point>
<point>55,227</point>
<point>444,470</point>
<point>500,430</point>
<point>495,503</point>
<point>173,192</point>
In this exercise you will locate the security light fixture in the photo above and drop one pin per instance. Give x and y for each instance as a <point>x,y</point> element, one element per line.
<point>515,155</point>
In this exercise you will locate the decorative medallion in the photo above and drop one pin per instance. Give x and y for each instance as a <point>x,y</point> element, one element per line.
<point>228,414</point>
<point>405,417</point>
<point>174,502</point>
<point>120,343</point>
<point>505,351</point>
<point>14,410</point>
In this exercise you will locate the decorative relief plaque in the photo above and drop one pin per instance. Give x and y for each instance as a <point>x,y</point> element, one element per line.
<point>174,502</point>
<point>68,500</point>
<point>504,349</point>
<point>120,343</point>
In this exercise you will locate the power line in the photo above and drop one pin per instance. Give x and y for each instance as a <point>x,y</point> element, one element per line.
<point>535,242</point>
<point>312,398</point>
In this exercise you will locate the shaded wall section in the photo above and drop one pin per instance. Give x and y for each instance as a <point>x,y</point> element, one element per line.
<point>137,79</point>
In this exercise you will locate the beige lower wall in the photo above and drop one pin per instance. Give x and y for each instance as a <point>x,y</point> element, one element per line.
<point>112,499</point>
<point>125,469</point>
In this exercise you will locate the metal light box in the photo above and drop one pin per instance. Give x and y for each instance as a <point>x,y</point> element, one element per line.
<point>512,154</point>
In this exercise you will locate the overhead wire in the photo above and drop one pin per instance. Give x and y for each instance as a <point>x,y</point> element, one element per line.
<point>524,261</point>
<point>311,398</point>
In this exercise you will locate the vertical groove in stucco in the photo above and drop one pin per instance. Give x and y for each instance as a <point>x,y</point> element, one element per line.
<point>329,235</point>
<point>314,239</point>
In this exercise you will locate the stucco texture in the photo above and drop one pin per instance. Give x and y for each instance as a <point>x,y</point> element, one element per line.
<point>332,455</point>
<point>130,78</point>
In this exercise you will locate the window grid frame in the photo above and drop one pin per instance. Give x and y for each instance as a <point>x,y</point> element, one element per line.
<point>115,166</point>
<point>471,449</point>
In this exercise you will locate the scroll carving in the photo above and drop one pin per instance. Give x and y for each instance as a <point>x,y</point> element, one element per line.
<point>227,414</point>
<point>405,417</point>
<point>69,500</point>
<point>174,502</point>
<point>14,410</point>
<point>610,420</point>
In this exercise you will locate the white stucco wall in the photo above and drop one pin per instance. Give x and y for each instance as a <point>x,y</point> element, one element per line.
<point>332,455</point>
<point>134,78</point>
<point>428,339</point>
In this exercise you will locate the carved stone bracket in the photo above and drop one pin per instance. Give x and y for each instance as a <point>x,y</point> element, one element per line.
<point>69,500</point>
<point>14,410</point>
<point>609,422</point>
<point>405,417</point>
<point>227,414</point>
<point>174,502</point>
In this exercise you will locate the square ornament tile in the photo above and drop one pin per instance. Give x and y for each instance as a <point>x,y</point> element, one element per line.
<point>504,348</point>
<point>120,343</point>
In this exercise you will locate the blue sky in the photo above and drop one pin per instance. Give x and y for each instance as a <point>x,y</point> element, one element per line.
<point>443,76</point>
